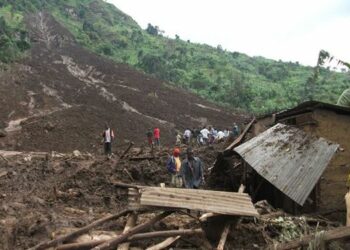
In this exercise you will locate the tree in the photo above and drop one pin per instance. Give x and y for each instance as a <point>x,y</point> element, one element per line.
<point>152,30</point>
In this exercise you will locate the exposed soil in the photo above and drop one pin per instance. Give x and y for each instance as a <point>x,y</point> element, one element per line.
<point>75,92</point>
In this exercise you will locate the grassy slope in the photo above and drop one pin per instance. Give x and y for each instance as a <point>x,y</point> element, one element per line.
<point>254,84</point>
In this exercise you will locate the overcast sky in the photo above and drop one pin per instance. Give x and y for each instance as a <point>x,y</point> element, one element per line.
<point>290,30</point>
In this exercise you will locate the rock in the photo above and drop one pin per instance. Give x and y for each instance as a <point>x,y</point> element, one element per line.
<point>76,153</point>
<point>3,173</point>
<point>3,133</point>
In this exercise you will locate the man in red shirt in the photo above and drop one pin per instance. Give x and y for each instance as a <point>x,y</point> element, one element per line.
<point>156,135</point>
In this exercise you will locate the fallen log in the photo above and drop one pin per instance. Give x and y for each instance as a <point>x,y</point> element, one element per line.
<point>70,236</point>
<point>135,237</point>
<point>167,242</point>
<point>143,158</point>
<point>127,150</point>
<point>125,185</point>
<point>112,244</point>
<point>130,223</point>
<point>330,235</point>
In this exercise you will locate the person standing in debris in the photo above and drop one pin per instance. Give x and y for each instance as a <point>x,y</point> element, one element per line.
<point>108,137</point>
<point>187,136</point>
<point>196,133</point>
<point>235,130</point>
<point>192,171</point>
<point>205,135</point>
<point>178,139</point>
<point>173,166</point>
<point>156,135</point>
<point>149,135</point>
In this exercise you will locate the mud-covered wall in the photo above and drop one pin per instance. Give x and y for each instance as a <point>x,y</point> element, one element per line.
<point>336,128</point>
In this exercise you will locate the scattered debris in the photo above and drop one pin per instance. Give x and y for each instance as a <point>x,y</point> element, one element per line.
<point>3,133</point>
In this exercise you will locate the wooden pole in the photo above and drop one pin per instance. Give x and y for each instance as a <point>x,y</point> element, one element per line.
<point>130,223</point>
<point>125,185</point>
<point>167,242</point>
<point>113,243</point>
<point>226,230</point>
<point>223,238</point>
<point>135,237</point>
<point>73,235</point>
<point>127,150</point>
<point>333,234</point>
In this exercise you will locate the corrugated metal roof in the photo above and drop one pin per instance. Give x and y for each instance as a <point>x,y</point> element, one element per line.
<point>289,159</point>
<point>203,200</point>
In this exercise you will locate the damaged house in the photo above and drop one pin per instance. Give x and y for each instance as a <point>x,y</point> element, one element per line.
<point>297,159</point>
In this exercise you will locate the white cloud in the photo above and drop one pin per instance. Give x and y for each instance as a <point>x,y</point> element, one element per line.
<point>290,30</point>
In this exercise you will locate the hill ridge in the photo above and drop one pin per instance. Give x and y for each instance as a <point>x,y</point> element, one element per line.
<point>253,84</point>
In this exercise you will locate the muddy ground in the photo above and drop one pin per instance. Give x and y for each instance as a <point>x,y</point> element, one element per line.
<point>44,195</point>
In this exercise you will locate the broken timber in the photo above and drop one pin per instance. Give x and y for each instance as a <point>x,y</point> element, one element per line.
<point>114,242</point>
<point>143,158</point>
<point>130,223</point>
<point>127,150</point>
<point>79,232</point>
<point>333,234</point>
<point>136,237</point>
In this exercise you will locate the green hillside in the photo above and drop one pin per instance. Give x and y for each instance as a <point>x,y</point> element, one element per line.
<point>254,84</point>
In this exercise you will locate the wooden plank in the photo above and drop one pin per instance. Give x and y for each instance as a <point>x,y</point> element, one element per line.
<point>198,198</point>
<point>195,191</point>
<point>189,197</point>
<point>212,202</point>
<point>202,206</point>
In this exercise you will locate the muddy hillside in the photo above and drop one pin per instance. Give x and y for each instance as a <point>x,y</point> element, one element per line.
<point>60,96</point>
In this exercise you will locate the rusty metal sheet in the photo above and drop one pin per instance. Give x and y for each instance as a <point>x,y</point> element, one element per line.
<point>290,159</point>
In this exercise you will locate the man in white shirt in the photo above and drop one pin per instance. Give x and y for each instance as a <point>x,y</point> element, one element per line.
<point>108,137</point>
<point>205,135</point>
<point>187,136</point>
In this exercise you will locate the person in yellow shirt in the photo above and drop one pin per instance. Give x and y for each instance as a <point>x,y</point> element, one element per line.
<point>174,166</point>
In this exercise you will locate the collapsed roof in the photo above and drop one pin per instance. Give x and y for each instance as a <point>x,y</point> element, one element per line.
<point>290,159</point>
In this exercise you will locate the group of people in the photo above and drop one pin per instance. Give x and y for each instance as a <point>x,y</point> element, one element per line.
<point>153,137</point>
<point>206,136</point>
<point>189,173</point>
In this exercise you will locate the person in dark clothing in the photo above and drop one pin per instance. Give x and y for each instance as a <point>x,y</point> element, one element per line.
<point>235,130</point>
<point>149,135</point>
<point>192,171</point>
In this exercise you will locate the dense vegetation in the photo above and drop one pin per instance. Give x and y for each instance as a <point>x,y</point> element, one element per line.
<point>253,84</point>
